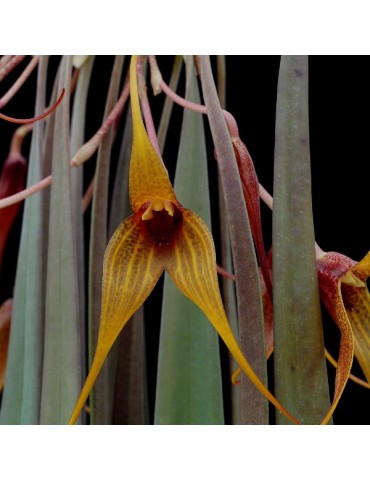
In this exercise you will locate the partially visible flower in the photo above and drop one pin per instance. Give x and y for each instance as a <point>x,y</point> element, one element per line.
<point>345,294</point>
<point>160,235</point>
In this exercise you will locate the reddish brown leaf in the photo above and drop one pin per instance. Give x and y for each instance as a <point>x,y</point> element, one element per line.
<point>250,186</point>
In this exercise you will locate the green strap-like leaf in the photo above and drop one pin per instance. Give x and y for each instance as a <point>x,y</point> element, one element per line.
<point>77,140</point>
<point>250,312</point>
<point>22,391</point>
<point>189,388</point>
<point>300,372</point>
<point>168,103</point>
<point>61,381</point>
<point>228,286</point>
<point>101,399</point>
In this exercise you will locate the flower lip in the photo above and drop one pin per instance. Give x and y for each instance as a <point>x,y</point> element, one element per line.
<point>161,220</point>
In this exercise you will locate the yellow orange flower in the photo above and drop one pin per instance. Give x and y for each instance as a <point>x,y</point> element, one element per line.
<point>160,235</point>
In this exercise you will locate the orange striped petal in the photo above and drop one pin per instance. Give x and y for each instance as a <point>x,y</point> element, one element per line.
<point>332,269</point>
<point>192,266</point>
<point>148,175</point>
<point>131,270</point>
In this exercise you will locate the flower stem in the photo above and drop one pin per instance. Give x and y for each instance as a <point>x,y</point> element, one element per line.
<point>19,82</point>
<point>89,148</point>
<point>18,197</point>
<point>10,65</point>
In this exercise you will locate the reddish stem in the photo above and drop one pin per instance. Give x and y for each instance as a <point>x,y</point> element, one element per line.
<point>8,67</point>
<point>88,195</point>
<point>158,84</point>
<point>19,82</point>
<point>224,273</point>
<point>89,148</point>
<point>18,197</point>
<point>34,119</point>
<point>4,60</point>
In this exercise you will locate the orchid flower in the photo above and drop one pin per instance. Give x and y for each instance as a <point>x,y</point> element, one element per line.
<point>161,235</point>
<point>346,296</point>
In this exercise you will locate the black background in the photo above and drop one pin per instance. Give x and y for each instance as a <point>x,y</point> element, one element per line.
<point>339,102</point>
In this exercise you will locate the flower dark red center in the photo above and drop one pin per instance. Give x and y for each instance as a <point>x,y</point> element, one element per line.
<point>161,219</point>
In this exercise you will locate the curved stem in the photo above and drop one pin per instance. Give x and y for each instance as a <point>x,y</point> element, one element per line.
<point>34,119</point>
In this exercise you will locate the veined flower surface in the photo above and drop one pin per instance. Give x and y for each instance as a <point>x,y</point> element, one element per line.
<point>346,296</point>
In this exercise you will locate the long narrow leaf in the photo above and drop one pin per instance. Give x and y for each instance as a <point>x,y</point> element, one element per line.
<point>61,380</point>
<point>22,391</point>
<point>5,318</point>
<point>101,399</point>
<point>189,388</point>
<point>228,286</point>
<point>250,312</point>
<point>168,103</point>
<point>77,140</point>
<point>299,357</point>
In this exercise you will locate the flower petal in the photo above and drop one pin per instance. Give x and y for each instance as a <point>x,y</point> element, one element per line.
<point>331,269</point>
<point>192,266</point>
<point>131,270</point>
<point>148,175</point>
<point>357,304</point>
<point>250,186</point>
<point>362,269</point>
<point>352,377</point>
